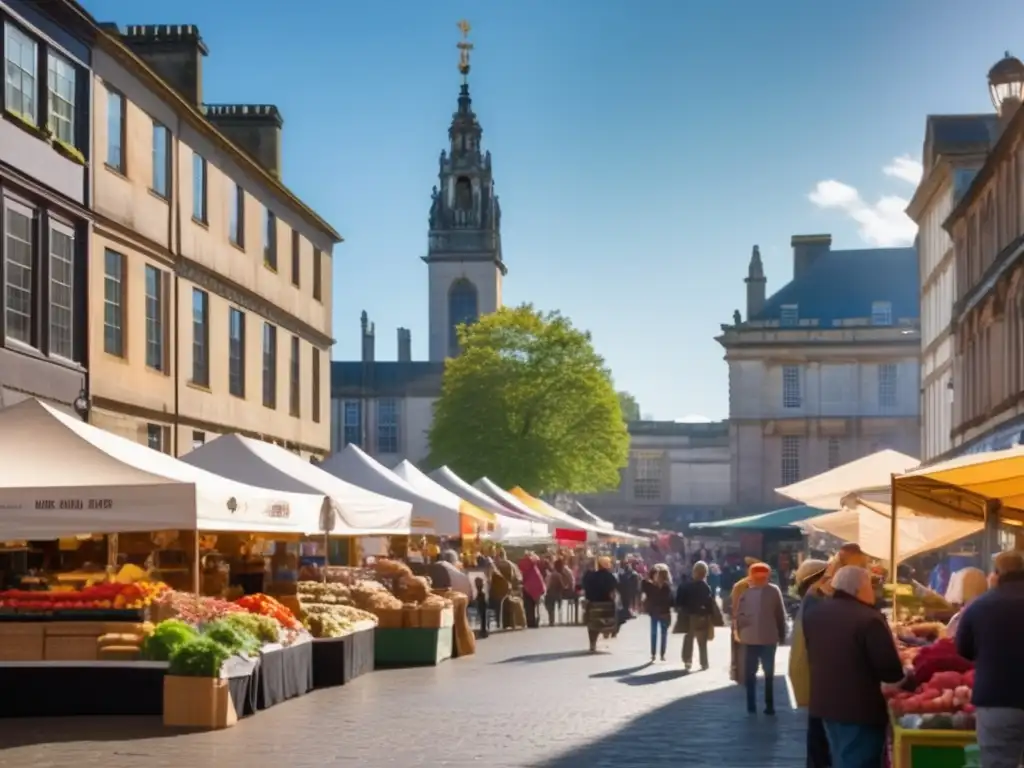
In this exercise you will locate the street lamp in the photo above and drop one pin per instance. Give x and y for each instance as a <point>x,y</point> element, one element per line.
<point>82,405</point>
<point>1006,82</point>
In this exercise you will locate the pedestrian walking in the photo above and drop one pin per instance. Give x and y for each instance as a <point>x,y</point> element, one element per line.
<point>599,588</point>
<point>656,601</point>
<point>809,578</point>
<point>761,626</point>
<point>698,614</point>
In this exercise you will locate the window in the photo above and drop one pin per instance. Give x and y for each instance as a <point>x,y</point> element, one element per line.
<point>198,439</point>
<point>161,159</point>
<point>236,352</point>
<point>887,385</point>
<point>387,425</point>
<point>269,239</point>
<point>791,386</point>
<point>237,221</point>
<point>21,55</point>
<point>317,275</point>
<point>113,303</point>
<point>200,338</point>
<point>19,246</point>
<point>157,437</point>
<point>790,459</point>
<point>352,422</point>
<point>881,313</point>
<point>789,315</point>
<point>60,84</point>
<point>647,478</point>
<point>199,187</point>
<point>269,366</point>
<point>62,292</point>
<point>833,452</point>
<point>115,131</point>
<point>316,386</point>
<point>154,318</point>
<point>296,262</point>
<point>294,379</point>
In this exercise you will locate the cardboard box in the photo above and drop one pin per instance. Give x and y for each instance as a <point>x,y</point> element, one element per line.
<point>198,702</point>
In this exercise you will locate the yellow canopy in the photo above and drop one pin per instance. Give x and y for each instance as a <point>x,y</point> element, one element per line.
<point>961,487</point>
<point>474,512</point>
<point>532,502</point>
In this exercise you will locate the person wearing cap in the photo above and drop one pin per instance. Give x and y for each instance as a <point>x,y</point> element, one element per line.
<point>851,654</point>
<point>761,627</point>
<point>809,578</point>
<point>989,634</point>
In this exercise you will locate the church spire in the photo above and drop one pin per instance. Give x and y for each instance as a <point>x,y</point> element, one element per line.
<point>465,131</point>
<point>756,282</point>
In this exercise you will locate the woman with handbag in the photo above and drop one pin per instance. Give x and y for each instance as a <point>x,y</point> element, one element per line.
<point>698,615</point>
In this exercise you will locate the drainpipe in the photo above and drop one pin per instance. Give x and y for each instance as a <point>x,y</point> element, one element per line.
<point>174,239</point>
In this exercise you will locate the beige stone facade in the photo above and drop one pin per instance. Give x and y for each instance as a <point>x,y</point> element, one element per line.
<point>210,283</point>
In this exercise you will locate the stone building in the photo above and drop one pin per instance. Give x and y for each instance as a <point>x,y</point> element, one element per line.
<point>210,292</point>
<point>46,168</point>
<point>825,370</point>
<point>954,148</point>
<point>987,228</point>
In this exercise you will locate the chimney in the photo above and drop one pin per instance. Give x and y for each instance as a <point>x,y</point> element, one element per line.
<point>807,249</point>
<point>255,128</point>
<point>756,282</point>
<point>404,345</point>
<point>368,333</point>
<point>173,51</point>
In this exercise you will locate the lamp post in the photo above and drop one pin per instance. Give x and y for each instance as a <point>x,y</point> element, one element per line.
<point>82,404</point>
<point>1006,84</point>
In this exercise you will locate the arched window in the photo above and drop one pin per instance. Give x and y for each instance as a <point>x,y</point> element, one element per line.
<point>462,310</point>
<point>463,194</point>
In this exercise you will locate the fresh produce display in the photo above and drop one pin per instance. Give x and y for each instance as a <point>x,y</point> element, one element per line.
<point>264,605</point>
<point>99,597</point>
<point>201,657</point>
<point>235,639</point>
<point>940,656</point>
<point>327,609</point>
<point>263,628</point>
<point>166,638</point>
<point>195,609</point>
<point>942,686</point>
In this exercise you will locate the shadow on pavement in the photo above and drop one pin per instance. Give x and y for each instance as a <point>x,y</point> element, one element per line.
<point>620,672</point>
<point>656,677</point>
<point>23,732</point>
<point>711,728</point>
<point>536,658</point>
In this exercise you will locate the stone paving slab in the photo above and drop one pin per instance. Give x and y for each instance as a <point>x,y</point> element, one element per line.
<point>533,699</point>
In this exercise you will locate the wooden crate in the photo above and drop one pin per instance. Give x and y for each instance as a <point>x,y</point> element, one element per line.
<point>70,648</point>
<point>21,642</point>
<point>78,628</point>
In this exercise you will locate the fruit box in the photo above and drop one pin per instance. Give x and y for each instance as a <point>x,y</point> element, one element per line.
<point>198,702</point>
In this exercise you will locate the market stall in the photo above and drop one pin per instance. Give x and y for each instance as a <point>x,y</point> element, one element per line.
<point>510,527</point>
<point>429,516</point>
<point>473,521</point>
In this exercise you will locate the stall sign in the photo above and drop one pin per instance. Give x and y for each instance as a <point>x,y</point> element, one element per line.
<point>74,503</point>
<point>279,511</point>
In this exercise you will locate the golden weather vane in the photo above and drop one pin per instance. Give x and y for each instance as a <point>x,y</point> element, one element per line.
<point>464,47</point>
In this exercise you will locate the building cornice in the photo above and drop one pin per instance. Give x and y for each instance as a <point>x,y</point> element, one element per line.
<point>938,176</point>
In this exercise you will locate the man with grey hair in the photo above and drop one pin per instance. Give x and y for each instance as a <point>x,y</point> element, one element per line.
<point>851,654</point>
<point>990,634</point>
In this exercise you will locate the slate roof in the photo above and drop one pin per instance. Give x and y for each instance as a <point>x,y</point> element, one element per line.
<point>386,379</point>
<point>957,134</point>
<point>842,285</point>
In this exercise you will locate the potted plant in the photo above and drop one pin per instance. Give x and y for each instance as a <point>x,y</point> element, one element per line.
<point>195,694</point>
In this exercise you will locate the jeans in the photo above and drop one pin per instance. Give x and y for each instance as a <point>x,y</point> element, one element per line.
<point>854,745</point>
<point>818,754</point>
<point>765,656</point>
<point>1000,736</point>
<point>659,628</point>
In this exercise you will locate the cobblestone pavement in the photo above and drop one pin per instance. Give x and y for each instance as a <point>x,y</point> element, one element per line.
<point>529,699</point>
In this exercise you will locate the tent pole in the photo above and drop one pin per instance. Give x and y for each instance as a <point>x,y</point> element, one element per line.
<point>893,542</point>
<point>196,578</point>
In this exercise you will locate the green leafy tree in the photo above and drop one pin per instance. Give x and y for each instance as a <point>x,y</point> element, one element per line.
<point>630,407</point>
<point>529,402</point>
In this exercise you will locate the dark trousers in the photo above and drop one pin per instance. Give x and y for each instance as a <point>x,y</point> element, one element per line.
<point>765,656</point>
<point>701,636</point>
<point>532,617</point>
<point>818,753</point>
<point>854,745</point>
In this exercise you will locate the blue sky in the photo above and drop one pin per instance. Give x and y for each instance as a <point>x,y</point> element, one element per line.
<point>640,149</point>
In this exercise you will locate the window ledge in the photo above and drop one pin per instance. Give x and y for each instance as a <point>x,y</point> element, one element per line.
<point>238,396</point>
<point>26,124</point>
<point>161,371</point>
<point>159,195</point>
<point>238,246</point>
<point>200,222</point>
<point>27,349</point>
<point>268,266</point>
<point>201,387</point>
<point>116,171</point>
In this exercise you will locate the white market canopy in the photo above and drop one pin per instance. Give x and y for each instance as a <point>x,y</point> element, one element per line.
<point>607,529</point>
<point>62,477</point>
<point>471,516</point>
<point>429,514</point>
<point>509,527</point>
<point>828,489</point>
<point>502,496</point>
<point>358,512</point>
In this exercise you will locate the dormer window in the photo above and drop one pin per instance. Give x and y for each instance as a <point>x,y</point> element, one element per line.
<point>789,315</point>
<point>881,313</point>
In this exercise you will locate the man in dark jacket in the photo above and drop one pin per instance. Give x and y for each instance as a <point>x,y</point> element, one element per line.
<point>851,653</point>
<point>990,634</point>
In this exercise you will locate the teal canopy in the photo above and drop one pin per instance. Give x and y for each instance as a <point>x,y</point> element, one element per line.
<point>786,517</point>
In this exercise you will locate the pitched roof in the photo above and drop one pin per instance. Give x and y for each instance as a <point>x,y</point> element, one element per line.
<point>842,285</point>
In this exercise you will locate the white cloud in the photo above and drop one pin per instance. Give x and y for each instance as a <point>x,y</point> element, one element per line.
<point>883,223</point>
